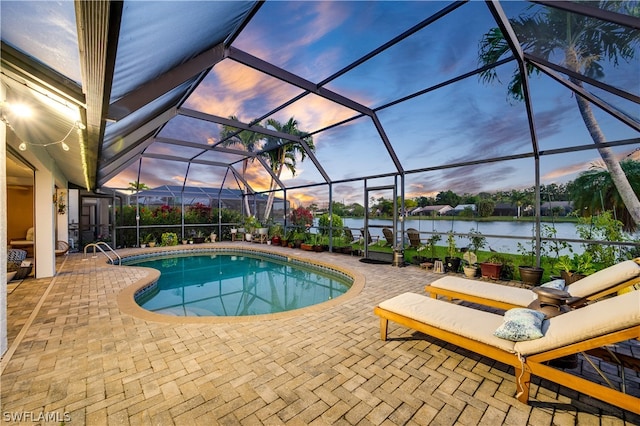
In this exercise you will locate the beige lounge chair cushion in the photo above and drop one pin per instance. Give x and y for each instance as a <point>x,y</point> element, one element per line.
<point>467,322</point>
<point>606,316</point>
<point>606,278</point>
<point>501,293</point>
<point>597,319</point>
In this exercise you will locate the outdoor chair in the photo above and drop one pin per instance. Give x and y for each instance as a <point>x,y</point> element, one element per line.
<point>15,258</point>
<point>16,265</point>
<point>349,236</point>
<point>26,243</point>
<point>414,238</point>
<point>592,287</point>
<point>388,236</point>
<point>607,322</point>
<point>62,248</point>
<point>368,238</point>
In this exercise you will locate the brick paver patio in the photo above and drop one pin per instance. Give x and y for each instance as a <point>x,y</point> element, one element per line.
<point>79,357</point>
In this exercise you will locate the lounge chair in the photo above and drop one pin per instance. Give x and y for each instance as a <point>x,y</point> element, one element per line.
<point>349,235</point>
<point>606,322</point>
<point>388,236</point>
<point>368,238</point>
<point>414,238</point>
<point>592,287</point>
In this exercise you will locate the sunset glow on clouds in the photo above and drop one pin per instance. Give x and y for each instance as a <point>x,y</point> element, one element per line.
<point>463,122</point>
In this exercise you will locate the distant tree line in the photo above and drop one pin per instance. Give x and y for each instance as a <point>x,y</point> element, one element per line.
<point>592,193</point>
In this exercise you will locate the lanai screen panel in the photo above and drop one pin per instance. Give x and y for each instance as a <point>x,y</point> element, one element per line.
<point>560,124</point>
<point>46,21</point>
<point>352,29</point>
<point>472,179</point>
<point>433,55</point>
<point>182,152</point>
<point>157,36</point>
<point>462,122</point>
<point>233,89</point>
<point>353,150</point>
<point>600,45</point>
<point>155,172</point>
<point>206,176</point>
<point>114,143</point>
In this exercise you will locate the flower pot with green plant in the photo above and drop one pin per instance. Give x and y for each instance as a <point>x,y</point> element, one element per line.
<point>529,273</point>
<point>470,257</point>
<point>452,261</point>
<point>148,240</point>
<point>576,267</point>
<point>275,233</point>
<point>198,237</point>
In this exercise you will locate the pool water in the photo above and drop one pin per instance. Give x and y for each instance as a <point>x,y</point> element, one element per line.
<point>236,285</point>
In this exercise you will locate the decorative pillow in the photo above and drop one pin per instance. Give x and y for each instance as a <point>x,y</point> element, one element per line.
<point>558,284</point>
<point>521,324</point>
<point>29,236</point>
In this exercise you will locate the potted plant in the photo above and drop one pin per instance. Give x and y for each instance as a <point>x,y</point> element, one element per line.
<point>575,268</point>
<point>198,237</point>
<point>213,237</point>
<point>529,274</point>
<point>275,232</point>
<point>491,268</point>
<point>476,242</point>
<point>148,240</point>
<point>307,243</point>
<point>452,262</point>
<point>251,223</point>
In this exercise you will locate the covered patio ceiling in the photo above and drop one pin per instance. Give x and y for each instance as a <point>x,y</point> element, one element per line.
<point>384,89</point>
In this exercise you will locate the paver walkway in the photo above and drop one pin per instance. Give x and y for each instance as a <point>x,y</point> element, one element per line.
<point>83,360</point>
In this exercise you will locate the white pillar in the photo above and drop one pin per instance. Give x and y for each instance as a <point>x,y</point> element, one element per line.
<point>3,231</point>
<point>45,234</point>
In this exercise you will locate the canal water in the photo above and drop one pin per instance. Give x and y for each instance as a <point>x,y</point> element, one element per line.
<point>513,232</point>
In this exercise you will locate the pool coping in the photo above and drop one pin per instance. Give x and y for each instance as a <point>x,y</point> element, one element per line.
<point>126,298</point>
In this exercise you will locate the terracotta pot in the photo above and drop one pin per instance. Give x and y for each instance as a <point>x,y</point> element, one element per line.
<point>491,270</point>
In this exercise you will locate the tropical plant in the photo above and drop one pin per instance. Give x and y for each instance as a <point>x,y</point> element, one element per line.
<point>578,263</point>
<point>550,245</point>
<point>451,244</point>
<point>251,223</point>
<point>169,239</point>
<point>593,191</point>
<point>476,240</point>
<point>249,141</point>
<point>137,186</point>
<point>149,238</point>
<point>301,218</point>
<point>583,41</point>
<point>603,227</point>
<point>334,221</point>
<point>281,153</point>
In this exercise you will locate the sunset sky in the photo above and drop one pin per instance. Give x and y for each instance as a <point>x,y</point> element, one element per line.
<point>466,121</point>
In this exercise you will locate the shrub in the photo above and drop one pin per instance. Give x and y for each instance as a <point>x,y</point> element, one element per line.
<point>336,223</point>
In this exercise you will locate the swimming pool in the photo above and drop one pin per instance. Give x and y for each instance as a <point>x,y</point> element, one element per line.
<point>235,284</point>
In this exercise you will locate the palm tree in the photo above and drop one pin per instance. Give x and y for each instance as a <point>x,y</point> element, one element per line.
<point>249,141</point>
<point>137,186</point>
<point>284,155</point>
<point>594,192</point>
<point>583,41</point>
<point>518,198</point>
